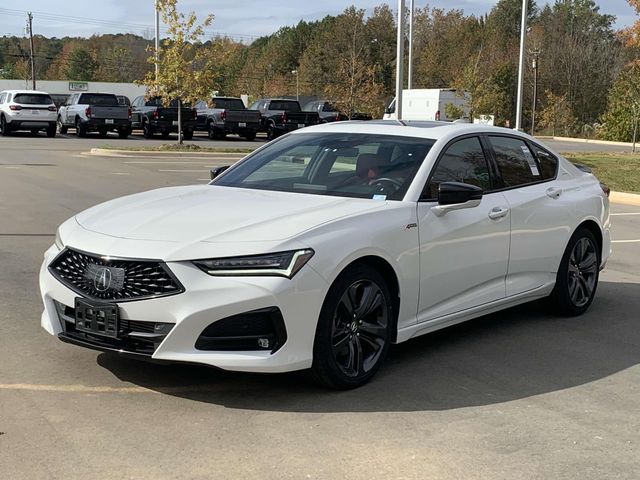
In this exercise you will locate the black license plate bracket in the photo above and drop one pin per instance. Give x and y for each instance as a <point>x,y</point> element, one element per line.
<point>97,318</point>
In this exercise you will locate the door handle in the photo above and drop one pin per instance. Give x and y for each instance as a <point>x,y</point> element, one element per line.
<point>498,213</point>
<point>554,192</point>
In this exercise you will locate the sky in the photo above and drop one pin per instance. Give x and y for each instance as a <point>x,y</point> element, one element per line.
<point>243,20</point>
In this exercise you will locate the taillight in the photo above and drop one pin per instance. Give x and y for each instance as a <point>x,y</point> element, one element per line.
<point>15,107</point>
<point>338,117</point>
<point>87,112</point>
<point>52,108</point>
<point>438,116</point>
<point>155,114</point>
<point>195,114</point>
<point>130,113</point>
<point>223,115</point>
<point>284,117</point>
<point>605,189</point>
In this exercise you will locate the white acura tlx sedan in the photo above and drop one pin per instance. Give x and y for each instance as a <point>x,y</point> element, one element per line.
<point>322,248</point>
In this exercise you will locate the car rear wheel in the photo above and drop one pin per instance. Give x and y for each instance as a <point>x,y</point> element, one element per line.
<point>354,329</point>
<point>187,134</point>
<point>251,136</point>
<point>102,133</point>
<point>51,130</point>
<point>81,130</point>
<point>4,128</point>
<point>123,133</point>
<point>61,128</point>
<point>147,131</point>
<point>578,274</point>
<point>271,132</point>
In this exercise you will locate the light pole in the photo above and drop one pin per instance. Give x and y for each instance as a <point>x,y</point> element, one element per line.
<point>400,60</point>
<point>410,72</point>
<point>157,22</point>
<point>295,72</point>
<point>535,63</point>
<point>523,39</point>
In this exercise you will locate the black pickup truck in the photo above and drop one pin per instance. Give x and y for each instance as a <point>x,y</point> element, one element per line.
<point>329,112</point>
<point>222,115</point>
<point>280,116</point>
<point>152,117</point>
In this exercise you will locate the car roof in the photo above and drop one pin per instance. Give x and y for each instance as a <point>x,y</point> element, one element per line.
<point>406,128</point>
<point>25,91</point>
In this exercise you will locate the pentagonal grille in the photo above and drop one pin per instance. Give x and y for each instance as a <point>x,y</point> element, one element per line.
<point>106,278</point>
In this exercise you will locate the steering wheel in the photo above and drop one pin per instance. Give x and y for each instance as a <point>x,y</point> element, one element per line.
<point>381,181</point>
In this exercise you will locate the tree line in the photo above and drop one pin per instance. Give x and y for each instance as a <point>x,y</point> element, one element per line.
<point>588,74</point>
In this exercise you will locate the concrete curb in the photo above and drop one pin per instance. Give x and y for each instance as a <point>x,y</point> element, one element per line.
<point>587,140</point>
<point>625,198</point>
<point>105,152</point>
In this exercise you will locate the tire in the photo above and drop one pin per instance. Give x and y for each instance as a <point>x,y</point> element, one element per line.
<point>123,133</point>
<point>352,342</point>
<point>187,134</point>
<point>578,275</point>
<point>81,130</point>
<point>147,131</point>
<point>34,131</point>
<point>102,133</point>
<point>271,132</point>
<point>4,128</point>
<point>165,134</point>
<point>61,128</point>
<point>251,136</point>
<point>211,132</point>
<point>51,130</point>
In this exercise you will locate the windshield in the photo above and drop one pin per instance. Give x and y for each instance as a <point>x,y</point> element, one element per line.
<point>98,99</point>
<point>284,105</point>
<point>227,103</point>
<point>339,164</point>
<point>32,99</point>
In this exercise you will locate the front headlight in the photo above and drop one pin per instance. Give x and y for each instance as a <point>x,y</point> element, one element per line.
<point>282,264</point>
<point>59,243</point>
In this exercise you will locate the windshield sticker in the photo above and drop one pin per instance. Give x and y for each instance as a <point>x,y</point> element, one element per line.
<point>531,161</point>
<point>380,197</point>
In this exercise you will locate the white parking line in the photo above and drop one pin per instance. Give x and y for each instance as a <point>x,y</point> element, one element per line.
<point>625,241</point>
<point>120,173</point>
<point>624,214</point>
<point>182,171</point>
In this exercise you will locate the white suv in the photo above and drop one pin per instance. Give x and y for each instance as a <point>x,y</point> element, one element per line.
<point>27,110</point>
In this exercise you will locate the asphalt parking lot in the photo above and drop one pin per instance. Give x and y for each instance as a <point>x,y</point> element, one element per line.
<point>520,394</point>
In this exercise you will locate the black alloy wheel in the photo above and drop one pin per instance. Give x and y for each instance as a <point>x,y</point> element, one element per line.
<point>577,278</point>
<point>147,130</point>
<point>81,130</point>
<point>354,329</point>
<point>4,128</point>
<point>61,128</point>
<point>271,132</point>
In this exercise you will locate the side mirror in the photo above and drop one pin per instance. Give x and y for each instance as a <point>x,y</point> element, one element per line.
<point>456,196</point>
<point>216,171</point>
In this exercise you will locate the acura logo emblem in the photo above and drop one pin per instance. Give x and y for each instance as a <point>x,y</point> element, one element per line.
<point>102,279</point>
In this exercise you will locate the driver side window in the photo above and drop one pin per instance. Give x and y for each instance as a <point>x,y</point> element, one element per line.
<point>464,161</point>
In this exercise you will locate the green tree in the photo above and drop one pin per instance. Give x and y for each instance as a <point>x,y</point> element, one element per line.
<point>186,67</point>
<point>80,65</point>
<point>557,116</point>
<point>621,118</point>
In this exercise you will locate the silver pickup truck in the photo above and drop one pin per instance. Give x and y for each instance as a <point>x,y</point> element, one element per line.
<point>94,112</point>
<point>222,115</point>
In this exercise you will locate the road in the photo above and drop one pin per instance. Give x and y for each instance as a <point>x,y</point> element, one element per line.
<point>520,394</point>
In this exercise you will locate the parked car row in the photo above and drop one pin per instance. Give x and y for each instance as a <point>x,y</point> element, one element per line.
<point>87,112</point>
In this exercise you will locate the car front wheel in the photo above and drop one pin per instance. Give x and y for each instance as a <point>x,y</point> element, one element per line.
<point>577,277</point>
<point>354,329</point>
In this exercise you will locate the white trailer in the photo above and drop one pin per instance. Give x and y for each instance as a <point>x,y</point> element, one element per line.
<point>429,104</point>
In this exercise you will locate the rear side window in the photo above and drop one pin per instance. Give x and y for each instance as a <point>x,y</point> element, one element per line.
<point>32,99</point>
<point>98,99</point>
<point>465,162</point>
<point>547,163</point>
<point>227,103</point>
<point>515,161</point>
<point>286,106</point>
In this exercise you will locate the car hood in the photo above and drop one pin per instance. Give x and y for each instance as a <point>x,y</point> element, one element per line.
<point>217,214</point>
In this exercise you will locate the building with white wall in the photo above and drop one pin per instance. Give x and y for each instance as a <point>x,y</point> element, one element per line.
<point>65,87</point>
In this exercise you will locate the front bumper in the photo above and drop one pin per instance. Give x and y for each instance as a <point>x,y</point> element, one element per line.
<point>206,300</point>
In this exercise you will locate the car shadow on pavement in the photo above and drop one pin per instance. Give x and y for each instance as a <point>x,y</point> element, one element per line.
<point>506,356</point>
